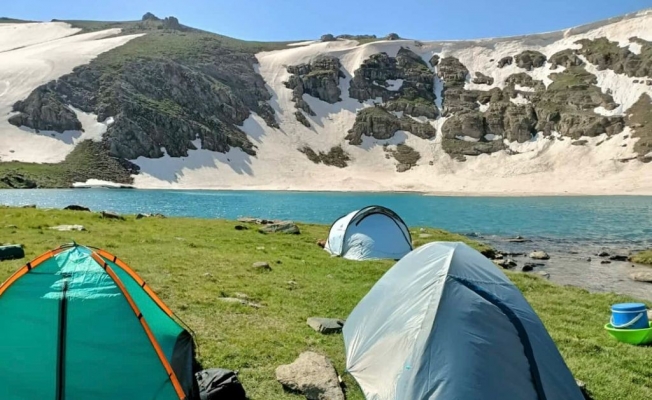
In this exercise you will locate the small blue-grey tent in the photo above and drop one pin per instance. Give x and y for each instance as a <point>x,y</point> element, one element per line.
<point>445,323</point>
<point>374,232</point>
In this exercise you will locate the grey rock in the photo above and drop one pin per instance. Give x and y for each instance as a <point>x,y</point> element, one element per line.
<point>530,59</point>
<point>68,228</point>
<point>434,60</point>
<point>150,17</point>
<point>74,207</point>
<point>302,118</point>
<point>236,300</point>
<point>566,58</point>
<point>318,79</point>
<point>482,79</point>
<point>240,228</point>
<point>605,262</point>
<point>172,23</point>
<point>328,38</point>
<point>281,227</point>
<point>505,61</point>
<point>12,252</point>
<point>44,110</point>
<point>588,259</point>
<point>619,257</point>
<point>506,263</point>
<point>377,122</point>
<point>539,255</point>
<point>16,180</point>
<point>261,266</point>
<point>29,206</point>
<point>312,375</point>
<point>111,215</point>
<point>579,142</point>
<point>403,167</point>
<point>518,239</point>
<point>325,326</point>
<point>393,36</point>
<point>642,277</point>
<point>603,254</point>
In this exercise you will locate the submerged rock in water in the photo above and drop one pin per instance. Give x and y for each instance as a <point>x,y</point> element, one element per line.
<point>312,375</point>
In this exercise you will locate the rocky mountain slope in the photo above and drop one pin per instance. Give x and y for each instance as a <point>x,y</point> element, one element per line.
<point>170,106</point>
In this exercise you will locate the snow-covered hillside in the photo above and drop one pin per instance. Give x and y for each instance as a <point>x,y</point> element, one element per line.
<point>546,164</point>
<point>32,54</point>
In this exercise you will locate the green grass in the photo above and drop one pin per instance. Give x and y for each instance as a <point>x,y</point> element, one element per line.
<point>643,257</point>
<point>191,263</point>
<point>86,161</point>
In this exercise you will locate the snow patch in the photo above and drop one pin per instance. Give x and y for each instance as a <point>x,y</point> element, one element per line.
<point>484,107</point>
<point>394,84</point>
<point>466,138</point>
<point>635,48</point>
<point>491,137</point>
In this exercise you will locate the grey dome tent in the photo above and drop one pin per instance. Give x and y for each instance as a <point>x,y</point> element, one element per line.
<point>445,323</point>
<point>374,232</point>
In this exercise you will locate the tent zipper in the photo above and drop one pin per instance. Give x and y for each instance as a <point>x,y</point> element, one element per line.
<point>61,342</point>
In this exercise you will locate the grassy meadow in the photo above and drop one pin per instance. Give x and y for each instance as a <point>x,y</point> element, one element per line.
<point>192,263</point>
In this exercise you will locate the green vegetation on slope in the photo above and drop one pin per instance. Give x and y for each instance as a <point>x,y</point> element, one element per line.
<point>87,161</point>
<point>644,257</point>
<point>192,263</point>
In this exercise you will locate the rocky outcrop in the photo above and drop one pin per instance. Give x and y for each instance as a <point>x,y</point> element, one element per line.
<point>43,110</point>
<point>150,17</point>
<point>328,38</point>
<point>530,59</point>
<point>639,119</point>
<point>172,23</point>
<point>302,118</point>
<point>320,79</point>
<point>565,58</point>
<point>158,102</point>
<point>16,180</point>
<point>381,124</point>
<point>565,106</point>
<point>482,79</point>
<point>392,36</point>
<point>335,157</point>
<point>606,54</point>
<point>406,156</point>
<point>408,71</point>
<point>434,60</point>
<point>505,61</point>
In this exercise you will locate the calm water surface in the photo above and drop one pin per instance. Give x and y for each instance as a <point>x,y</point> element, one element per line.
<point>571,229</point>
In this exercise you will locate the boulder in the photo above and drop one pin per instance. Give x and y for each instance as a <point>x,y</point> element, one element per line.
<point>530,267</point>
<point>321,243</point>
<point>619,257</point>
<point>240,228</point>
<point>518,239</point>
<point>312,375</point>
<point>150,17</point>
<point>506,263</point>
<point>530,59</point>
<point>328,38</point>
<point>325,325</point>
<point>539,255</point>
<point>74,207</point>
<point>603,254</point>
<point>505,61</point>
<point>392,36</point>
<point>12,252</point>
<point>68,228</point>
<point>642,277</point>
<point>482,79</point>
<point>281,227</point>
<point>261,266</point>
<point>605,262</point>
<point>111,215</point>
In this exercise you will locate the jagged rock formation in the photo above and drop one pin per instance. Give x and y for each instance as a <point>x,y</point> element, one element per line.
<point>505,61</point>
<point>302,118</point>
<point>415,96</point>
<point>406,156</point>
<point>172,23</point>
<point>335,157</point>
<point>43,110</point>
<point>640,120</point>
<point>606,54</point>
<point>379,123</point>
<point>566,106</point>
<point>566,58</point>
<point>157,103</point>
<point>529,60</point>
<point>320,79</point>
<point>482,79</point>
<point>150,17</point>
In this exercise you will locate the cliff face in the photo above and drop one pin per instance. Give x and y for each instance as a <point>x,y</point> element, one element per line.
<point>525,105</point>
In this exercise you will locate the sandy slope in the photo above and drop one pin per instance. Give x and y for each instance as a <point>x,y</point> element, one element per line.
<point>33,54</point>
<point>544,167</point>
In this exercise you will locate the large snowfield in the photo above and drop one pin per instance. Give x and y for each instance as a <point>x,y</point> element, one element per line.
<point>33,54</point>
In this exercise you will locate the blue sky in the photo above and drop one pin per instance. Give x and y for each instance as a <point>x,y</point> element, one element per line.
<point>306,19</point>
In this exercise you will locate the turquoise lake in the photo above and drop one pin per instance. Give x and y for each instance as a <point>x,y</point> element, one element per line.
<point>607,220</point>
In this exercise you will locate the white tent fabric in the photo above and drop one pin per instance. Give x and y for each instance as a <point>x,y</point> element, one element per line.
<point>445,323</point>
<point>373,232</point>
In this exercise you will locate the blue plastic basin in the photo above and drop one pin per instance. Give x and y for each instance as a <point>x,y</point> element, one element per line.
<point>629,316</point>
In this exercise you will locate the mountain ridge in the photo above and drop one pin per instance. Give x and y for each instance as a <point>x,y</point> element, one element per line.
<point>448,122</point>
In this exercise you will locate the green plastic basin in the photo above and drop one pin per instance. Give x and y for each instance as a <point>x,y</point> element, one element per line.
<point>631,336</point>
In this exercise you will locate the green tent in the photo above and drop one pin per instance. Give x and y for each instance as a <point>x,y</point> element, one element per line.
<point>79,324</point>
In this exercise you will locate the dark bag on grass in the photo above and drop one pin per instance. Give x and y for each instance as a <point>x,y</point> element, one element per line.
<point>220,384</point>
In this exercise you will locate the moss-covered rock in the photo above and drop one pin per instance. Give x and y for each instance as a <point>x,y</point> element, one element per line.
<point>505,61</point>
<point>379,123</point>
<point>320,79</point>
<point>566,58</point>
<point>335,157</point>
<point>45,110</point>
<point>606,54</point>
<point>406,156</point>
